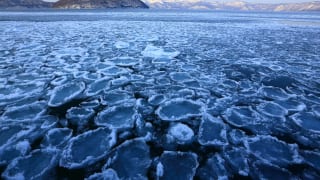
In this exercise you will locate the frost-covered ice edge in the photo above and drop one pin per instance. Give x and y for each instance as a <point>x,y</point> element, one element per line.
<point>159,95</point>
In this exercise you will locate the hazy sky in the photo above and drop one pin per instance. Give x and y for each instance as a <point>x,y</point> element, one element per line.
<point>253,1</point>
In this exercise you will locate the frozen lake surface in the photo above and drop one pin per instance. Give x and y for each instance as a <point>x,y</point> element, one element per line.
<point>159,95</point>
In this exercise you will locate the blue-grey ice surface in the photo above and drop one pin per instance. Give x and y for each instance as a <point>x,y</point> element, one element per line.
<point>143,94</point>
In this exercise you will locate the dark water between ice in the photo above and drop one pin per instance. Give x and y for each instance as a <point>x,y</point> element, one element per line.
<point>137,94</point>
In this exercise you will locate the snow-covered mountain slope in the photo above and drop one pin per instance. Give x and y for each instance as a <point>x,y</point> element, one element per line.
<point>235,5</point>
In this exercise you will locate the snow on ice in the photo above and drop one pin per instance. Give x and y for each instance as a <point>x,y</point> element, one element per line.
<point>159,95</point>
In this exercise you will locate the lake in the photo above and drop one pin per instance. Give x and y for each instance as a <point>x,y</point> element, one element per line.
<point>153,94</point>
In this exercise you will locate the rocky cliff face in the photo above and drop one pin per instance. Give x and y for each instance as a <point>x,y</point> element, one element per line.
<point>236,5</point>
<point>24,4</point>
<point>97,4</point>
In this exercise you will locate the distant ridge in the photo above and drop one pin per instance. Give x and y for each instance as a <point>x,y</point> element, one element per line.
<point>96,4</point>
<point>16,4</point>
<point>161,4</point>
<point>236,5</point>
<point>72,4</point>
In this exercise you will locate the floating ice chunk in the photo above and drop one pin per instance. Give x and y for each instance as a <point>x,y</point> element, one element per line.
<point>3,81</point>
<point>68,51</point>
<point>220,105</point>
<point>189,67</point>
<point>87,148</point>
<point>49,122</point>
<point>143,107</point>
<point>156,99</point>
<point>149,38</point>
<point>162,60</point>
<point>79,116</point>
<point>130,160</point>
<point>144,129</point>
<point>274,93</point>
<point>119,117</point>
<point>312,99</point>
<point>307,138</point>
<point>272,109</point>
<point>237,160</point>
<point>240,116</point>
<point>122,80</point>
<point>92,76</point>
<point>202,93</point>
<point>214,168</point>
<point>316,110</point>
<point>177,165</point>
<point>186,93</point>
<point>121,45</point>
<point>310,174</point>
<point>279,81</point>
<point>246,87</point>
<point>101,65</point>
<point>163,81</point>
<point>229,84</point>
<point>156,52</point>
<point>94,104</point>
<point>26,112</point>
<point>65,93</point>
<point>18,95</point>
<point>263,170</point>
<point>272,150</point>
<point>236,136</point>
<point>11,152</point>
<point>10,134</point>
<point>159,171</point>
<point>23,146</point>
<point>59,81</point>
<point>296,90</point>
<point>10,92</point>
<point>25,77</point>
<point>8,154</point>
<point>63,123</point>
<point>212,132</point>
<point>192,84</point>
<point>248,119</point>
<point>242,72</point>
<point>98,86</point>
<point>56,137</point>
<point>180,76</point>
<point>181,133</point>
<point>39,164</point>
<point>77,74</point>
<point>292,105</point>
<point>136,77</point>
<point>115,97</point>
<point>307,121</point>
<point>179,109</point>
<point>125,61</point>
<point>108,174</point>
<point>28,100</point>
<point>312,158</point>
<point>114,71</point>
